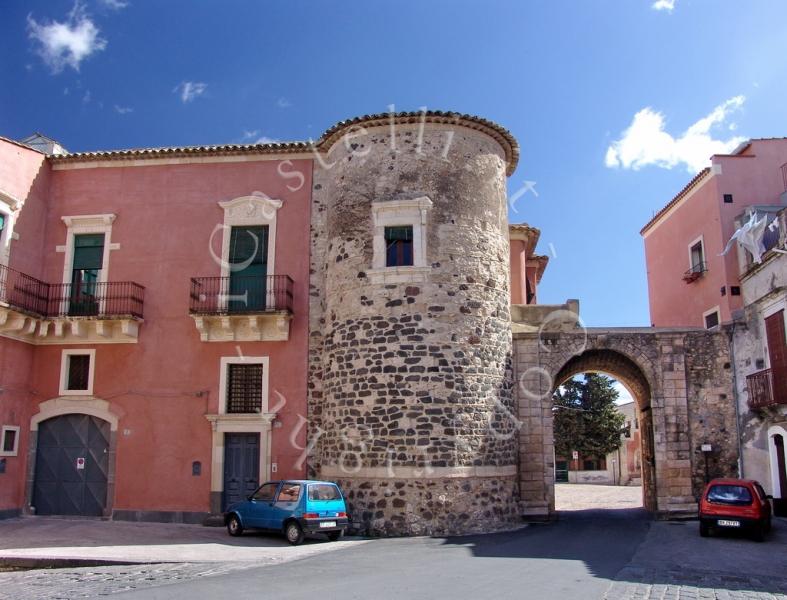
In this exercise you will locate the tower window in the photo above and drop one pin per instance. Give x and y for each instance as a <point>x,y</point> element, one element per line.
<point>727,198</point>
<point>399,246</point>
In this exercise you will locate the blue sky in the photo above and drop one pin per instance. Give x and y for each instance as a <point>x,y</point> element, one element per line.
<point>614,103</point>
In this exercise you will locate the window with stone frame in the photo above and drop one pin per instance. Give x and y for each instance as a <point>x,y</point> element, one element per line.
<point>399,246</point>
<point>78,373</point>
<point>244,388</point>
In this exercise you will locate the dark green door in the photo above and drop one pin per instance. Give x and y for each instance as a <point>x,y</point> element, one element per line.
<point>248,268</point>
<point>88,260</point>
<point>241,466</point>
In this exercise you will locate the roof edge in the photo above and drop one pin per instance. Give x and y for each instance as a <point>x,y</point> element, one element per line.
<point>333,134</point>
<point>680,195</point>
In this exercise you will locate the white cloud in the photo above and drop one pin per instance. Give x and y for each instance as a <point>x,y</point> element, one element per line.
<point>189,90</point>
<point>668,5</point>
<point>248,134</point>
<point>283,102</point>
<point>266,140</point>
<point>86,97</point>
<point>645,142</point>
<point>114,4</point>
<point>66,44</point>
<point>123,110</point>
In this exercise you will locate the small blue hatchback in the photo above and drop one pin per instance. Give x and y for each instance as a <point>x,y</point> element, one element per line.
<point>295,508</point>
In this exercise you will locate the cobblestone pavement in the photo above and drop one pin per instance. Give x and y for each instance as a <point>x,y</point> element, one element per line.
<point>674,563</point>
<point>589,496</point>
<point>91,582</point>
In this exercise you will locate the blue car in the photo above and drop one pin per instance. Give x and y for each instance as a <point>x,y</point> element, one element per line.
<point>295,508</point>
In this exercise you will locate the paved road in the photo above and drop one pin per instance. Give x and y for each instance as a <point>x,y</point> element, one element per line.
<point>584,496</point>
<point>611,555</point>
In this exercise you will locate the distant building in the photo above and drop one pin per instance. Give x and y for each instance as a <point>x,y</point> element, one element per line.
<point>689,282</point>
<point>621,467</point>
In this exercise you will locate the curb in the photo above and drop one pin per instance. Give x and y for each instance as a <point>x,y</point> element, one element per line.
<point>35,562</point>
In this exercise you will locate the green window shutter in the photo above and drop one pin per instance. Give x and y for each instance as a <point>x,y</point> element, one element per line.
<point>404,234</point>
<point>88,252</point>
<point>249,243</point>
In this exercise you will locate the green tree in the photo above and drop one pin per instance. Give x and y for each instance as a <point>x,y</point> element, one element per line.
<point>586,419</point>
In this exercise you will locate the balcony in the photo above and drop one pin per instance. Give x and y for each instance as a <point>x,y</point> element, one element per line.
<point>695,272</point>
<point>762,391</point>
<point>242,308</point>
<point>37,312</point>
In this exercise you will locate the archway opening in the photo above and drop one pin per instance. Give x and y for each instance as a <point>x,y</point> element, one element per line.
<point>603,434</point>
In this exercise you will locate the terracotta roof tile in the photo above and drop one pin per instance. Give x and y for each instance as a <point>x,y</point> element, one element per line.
<point>324,144</point>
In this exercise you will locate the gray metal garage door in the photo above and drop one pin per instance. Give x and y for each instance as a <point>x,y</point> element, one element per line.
<point>72,463</point>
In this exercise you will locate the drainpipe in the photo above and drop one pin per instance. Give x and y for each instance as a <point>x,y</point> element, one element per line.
<point>731,336</point>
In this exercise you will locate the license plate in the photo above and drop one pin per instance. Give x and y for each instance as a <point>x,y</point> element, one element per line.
<point>328,524</point>
<point>724,523</point>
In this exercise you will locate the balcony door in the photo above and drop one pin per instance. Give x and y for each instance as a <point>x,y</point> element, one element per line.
<point>777,353</point>
<point>248,258</point>
<point>85,273</point>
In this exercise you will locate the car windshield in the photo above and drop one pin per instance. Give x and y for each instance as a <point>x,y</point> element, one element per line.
<point>324,491</point>
<point>729,494</point>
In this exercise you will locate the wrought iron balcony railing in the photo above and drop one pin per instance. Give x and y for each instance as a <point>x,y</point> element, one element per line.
<point>240,294</point>
<point>96,299</point>
<point>762,391</point>
<point>87,299</point>
<point>695,272</point>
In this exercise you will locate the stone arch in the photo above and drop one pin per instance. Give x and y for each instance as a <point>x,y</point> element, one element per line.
<point>635,376</point>
<point>614,363</point>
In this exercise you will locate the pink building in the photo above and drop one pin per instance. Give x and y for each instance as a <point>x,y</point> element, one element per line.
<point>690,283</point>
<point>154,324</point>
<point>165,294</point>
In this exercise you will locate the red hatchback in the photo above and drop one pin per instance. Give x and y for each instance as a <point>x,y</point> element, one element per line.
<point>735,504</point>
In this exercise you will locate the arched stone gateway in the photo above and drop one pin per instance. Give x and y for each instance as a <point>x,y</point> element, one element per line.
<point>632,374</point>
<point>682,383</point>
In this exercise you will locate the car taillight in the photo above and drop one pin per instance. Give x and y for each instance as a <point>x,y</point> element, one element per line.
<point>311,516</point>
<point>342,515</point>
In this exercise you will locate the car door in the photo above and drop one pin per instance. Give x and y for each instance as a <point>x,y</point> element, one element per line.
<point>259,506</point>
<point>286,504</point>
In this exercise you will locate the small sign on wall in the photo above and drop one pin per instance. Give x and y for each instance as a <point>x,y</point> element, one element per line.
<point>80,463</point>
<point>575,455</point>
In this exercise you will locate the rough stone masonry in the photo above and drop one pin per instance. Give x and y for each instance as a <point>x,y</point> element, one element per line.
<point>413,406</point>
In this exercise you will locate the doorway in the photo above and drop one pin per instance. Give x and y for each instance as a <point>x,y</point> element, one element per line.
<point>72,466</point>
<point>241,466</point>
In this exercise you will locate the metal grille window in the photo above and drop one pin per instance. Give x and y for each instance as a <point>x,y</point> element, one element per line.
<point>244,388</point>
<point>78,372</point>
<point>399,246</point>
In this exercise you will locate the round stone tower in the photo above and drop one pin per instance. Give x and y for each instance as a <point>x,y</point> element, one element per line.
<point>412,398</point>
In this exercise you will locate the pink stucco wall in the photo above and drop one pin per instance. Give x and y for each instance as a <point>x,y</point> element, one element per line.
<point>753,178</point>
<point>165,217</point>
<point>24,177</point>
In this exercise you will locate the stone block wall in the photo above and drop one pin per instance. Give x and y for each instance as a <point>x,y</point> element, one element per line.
<point>411,397</point>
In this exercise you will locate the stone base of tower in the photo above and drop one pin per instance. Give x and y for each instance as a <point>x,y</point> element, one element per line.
<point>445,506</point>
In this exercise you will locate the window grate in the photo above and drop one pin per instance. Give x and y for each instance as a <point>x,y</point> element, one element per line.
<point>78,371</point>
<point>244,388</point>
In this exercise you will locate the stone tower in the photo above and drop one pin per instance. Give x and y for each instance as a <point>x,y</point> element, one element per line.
<point>410,395</point>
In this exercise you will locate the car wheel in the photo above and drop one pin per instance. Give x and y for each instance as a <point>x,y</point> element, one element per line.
<point>336,535</point>
<point>234,527</point>
<point>293,533</point>
<point>704,529</point>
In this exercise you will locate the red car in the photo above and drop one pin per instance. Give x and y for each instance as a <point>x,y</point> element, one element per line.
<point>735,504</point>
